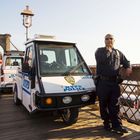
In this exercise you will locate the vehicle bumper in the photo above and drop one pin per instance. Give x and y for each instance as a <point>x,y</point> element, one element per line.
<point>6,88</point>
<point>58,100</point>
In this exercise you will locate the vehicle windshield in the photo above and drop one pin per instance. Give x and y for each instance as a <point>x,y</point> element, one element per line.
<point>14,61</point>
<point>60,59</point>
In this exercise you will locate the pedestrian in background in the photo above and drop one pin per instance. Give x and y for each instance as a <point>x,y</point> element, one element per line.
<point>109,60</point>
<point>0,58</point>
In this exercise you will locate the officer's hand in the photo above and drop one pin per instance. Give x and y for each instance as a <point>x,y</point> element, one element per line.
<point>128,71</point>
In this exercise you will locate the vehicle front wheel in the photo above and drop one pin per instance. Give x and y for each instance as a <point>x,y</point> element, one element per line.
<point>69,115</point>
<point>16,100</point>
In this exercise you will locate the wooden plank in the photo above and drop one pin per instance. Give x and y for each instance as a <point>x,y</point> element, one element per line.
<point>17,124</point>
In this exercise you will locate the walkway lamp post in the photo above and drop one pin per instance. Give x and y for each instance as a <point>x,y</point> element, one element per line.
<point>27,19</point>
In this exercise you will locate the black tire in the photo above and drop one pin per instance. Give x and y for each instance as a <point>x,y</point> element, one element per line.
<point>70,115</point>
<point>16,100</point>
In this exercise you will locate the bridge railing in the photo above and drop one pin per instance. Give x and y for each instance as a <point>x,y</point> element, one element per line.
<point>130,95</point>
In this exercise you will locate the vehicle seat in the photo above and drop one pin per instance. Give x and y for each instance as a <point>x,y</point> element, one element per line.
<point>15,63</point>
<point>43,58</point>
<point>43,62</point>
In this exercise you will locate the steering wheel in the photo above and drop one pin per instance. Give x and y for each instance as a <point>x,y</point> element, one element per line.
<point>55,65</point>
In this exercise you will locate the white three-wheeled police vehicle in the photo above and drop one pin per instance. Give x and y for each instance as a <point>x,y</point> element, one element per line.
<point>11,62</point>
<point>54,76</point>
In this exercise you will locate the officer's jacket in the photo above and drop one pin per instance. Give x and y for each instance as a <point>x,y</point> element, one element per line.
<point>108,63</point>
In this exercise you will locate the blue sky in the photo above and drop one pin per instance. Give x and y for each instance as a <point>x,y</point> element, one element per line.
<point>85,22</point>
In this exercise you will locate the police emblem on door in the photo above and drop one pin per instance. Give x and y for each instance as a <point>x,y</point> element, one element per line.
<point>70,79</point>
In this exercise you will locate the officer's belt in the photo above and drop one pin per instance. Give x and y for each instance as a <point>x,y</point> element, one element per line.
<point>109,78</point>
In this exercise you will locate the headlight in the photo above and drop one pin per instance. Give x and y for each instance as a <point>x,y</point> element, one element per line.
<point>67,100</point>
<point>85,98</point>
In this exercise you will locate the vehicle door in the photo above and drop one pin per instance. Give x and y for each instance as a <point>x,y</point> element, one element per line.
<point>28,80</point>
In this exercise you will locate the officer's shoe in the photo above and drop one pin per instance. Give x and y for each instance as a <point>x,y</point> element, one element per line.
<point>107,126</point>
<point>120,130</point>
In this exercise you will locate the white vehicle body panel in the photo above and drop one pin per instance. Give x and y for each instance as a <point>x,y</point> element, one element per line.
<point>60,85</point>
<point>53,85</point>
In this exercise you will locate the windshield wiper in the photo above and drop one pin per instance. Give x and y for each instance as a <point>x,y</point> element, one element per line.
<point>72,70</point>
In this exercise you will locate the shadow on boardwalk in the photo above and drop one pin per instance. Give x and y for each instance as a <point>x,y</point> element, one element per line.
<point>17,124</point>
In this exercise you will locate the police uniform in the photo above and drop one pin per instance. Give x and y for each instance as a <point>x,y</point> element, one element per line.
<point>108,90</point>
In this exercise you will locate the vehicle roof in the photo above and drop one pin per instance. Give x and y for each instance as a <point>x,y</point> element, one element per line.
<point>48,40</point>
<point>14,53</point>
<point>13,56</point>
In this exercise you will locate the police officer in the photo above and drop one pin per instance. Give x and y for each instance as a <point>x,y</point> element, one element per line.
<point>108,61</point>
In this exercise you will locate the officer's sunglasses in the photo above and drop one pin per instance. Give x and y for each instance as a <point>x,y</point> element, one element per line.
<point>108,38</point>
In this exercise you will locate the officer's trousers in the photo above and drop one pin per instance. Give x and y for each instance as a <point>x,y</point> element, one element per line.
<point>108,94</point>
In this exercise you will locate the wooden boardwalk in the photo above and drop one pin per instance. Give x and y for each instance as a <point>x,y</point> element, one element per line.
<point>17,124</point>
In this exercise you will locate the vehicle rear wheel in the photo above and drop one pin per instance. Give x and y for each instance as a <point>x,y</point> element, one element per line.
<point>16,100</point>
<point>69,115</point>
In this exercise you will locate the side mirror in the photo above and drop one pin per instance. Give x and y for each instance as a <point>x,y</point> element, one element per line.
<point>25,67</point>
